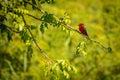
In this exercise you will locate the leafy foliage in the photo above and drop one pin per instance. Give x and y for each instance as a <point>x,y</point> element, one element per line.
<point>81,48</point>
<point>61,67</point>
<point>38,43</point>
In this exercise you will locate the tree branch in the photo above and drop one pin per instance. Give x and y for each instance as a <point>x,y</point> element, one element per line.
<point>66,25</point>
<point>42,11</point>
<point>70,27</point>
<point>41,51</point>
<point>9,28</point>
<point>98,43</point>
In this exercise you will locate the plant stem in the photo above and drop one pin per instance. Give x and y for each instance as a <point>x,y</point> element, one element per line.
<point>41,51</point>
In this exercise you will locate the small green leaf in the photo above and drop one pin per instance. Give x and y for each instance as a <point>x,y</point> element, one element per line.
<point>81,49</point>
<point>109,49</point>
<point>24,36</point>
<point>78,49</point>
<point>66,74</point>
<point>1,6</point>
<point>34,3</point>
<point>48,17</point>
<point>42,28</point>
<point>25,4</point>
<point>69,68</point>
<point>9,35</point>
<point>46,25</point>
<point>58,24</point>
<point>4,29</point>
<point>42,1</point>
<point>33,27</point>
<point>30,50</point>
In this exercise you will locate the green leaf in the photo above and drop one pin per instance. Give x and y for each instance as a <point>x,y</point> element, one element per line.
<point>109,49</point>
<point>57,24</point>
<point>33,27</point>
<point>42,27</point>
<point>30,49</point>
<point>46,25</point>
<point>9,35</point>
<point>24,36</point>
<point>34,3</point>
<point>81,49</point>
<point>48,18</point>
<point>4,29</point>
<point>1,6</point>
<point>78,49</point>
<point>42,1</point>
<point>66,74</point>
<point>2,18</point>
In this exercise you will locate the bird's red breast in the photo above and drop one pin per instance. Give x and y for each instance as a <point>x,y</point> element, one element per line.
<point>82,29</point>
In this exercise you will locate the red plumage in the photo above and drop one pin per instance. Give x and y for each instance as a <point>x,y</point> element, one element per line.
<point>82,29</point>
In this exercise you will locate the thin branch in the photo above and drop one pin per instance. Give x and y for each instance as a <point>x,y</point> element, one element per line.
<point>11,67</point>
<point>98,43</point>
<point>66,25</point>
<point>70,27</point>
<point>42,11</point>
<point>41,51</point>
<point>12,29</point>
<point>9,28</point>
<point>34,17</point>
<point>85,36</point>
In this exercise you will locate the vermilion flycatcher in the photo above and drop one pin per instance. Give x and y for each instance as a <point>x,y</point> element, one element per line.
<point>82,29</point>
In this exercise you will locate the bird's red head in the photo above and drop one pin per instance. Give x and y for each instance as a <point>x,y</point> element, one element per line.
<point>81,24</point>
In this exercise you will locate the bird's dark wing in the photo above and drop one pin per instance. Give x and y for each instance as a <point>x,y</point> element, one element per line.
<point>84,31</point>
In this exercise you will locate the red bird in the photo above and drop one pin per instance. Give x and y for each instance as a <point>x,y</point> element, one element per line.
<point>82,29</point>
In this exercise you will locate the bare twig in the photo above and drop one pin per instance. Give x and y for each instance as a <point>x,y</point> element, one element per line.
<point>41,51</point>
<point>98,44</point>
<point>34,17</point>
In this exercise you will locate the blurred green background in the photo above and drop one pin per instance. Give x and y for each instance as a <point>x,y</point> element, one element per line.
<point>102,21</point>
